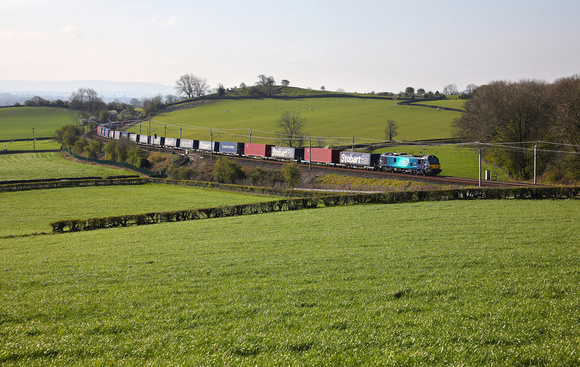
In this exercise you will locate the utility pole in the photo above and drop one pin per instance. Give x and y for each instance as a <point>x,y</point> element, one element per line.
<point>535,161</point>
<point>479,173</point>
<point>352,150</point>
<point>309,153</point>
<point>250,135</point>
<point>210,144</point>
<point>180,127</point>
<point>33,140</point>
<point>149,134</point>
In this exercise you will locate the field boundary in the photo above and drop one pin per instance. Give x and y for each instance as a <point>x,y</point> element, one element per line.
<point>70,182</point>
<point>75,225</point>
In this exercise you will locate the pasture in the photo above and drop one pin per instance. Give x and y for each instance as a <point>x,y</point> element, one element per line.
<point>449,103</point>
<point>26,212</point>
<point>30,145</point>
<point>34,166</point>
<point>17,122</point>
<point>488,283</point>
<point>326,119</point>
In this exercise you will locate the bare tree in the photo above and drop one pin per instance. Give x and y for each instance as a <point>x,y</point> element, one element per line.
<point>87,102</point>
<point>471,88</point>
<point>191,86</point>
<point>285,82</point>
<point>391,130</point>
<point>291,127</point>
<point>450,89</point>
<point>567,113</point>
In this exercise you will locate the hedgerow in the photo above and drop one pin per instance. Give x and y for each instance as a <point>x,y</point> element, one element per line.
<point>314,202</point>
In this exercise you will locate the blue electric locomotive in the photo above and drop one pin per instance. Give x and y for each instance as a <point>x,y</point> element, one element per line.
<point>401,162</point>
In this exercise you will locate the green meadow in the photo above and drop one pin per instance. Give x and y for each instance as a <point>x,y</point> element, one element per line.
<point>30,145</point>
<point>449,103</point>
<point>463,283</point>
<point>334,120</point>
<point>26,212</point>
<point>34,166</point>
<point>18,122</point>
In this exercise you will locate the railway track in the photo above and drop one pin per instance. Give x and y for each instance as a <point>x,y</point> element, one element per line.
<point>440,180</point>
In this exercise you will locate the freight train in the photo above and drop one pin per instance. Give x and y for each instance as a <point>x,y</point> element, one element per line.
<point>388,162</point>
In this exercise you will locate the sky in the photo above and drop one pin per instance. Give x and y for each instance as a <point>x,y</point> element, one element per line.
<point>358,46</point>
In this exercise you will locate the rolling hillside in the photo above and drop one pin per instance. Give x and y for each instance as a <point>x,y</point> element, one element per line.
<point>328,118</point>
<point>17,122</point>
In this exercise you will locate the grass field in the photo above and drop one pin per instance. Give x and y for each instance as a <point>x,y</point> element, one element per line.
<point>456,161</point>
<point>474,283</point>
<point>34,166</point>
<point>36,209</point>
<point>325,117</point>
<point>30,145</point>
<point>17,122</point>
<point>449,103</point>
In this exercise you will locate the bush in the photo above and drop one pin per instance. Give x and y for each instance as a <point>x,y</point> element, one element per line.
<point>228,171</point>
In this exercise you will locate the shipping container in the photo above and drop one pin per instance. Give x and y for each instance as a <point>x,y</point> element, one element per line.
<point>229,147</point>
<point>322,155</point>
<point>124,135</point>
<point>116,135</point>
<point>359,159</point>
<point>210,146</point>
<point>172,142</point>
<point>133,137</point>
<point>188,144</point>
<point>158,140</point>
<point>143,139</point>
<point>287,153</point>
<point>258,150</point>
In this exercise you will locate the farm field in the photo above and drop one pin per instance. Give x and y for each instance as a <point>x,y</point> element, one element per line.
<point>488,283</point>
<point>325,117</point>
<point>17,122</point>
<point>456,161</point>
<point>26,212</point>
<point>35,166</point>
<point>30,145</point>
<point>449,103</point>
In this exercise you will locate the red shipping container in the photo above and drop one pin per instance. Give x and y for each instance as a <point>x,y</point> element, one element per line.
<point>258,150</point>
<point>322,155</point>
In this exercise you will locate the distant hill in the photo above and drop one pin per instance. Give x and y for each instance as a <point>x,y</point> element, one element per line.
<point>12,91</point>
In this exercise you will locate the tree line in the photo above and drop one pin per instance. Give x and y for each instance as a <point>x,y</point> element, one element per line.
<point>526,111</point>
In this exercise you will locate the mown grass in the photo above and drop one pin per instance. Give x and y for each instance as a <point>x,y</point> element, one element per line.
<point>34,166</point>
<point>26,212</point>
<point>17,122</point>
<point>487,283</point>
<point>456,161</point>
<point>30,145</point>
<point>325,117</point>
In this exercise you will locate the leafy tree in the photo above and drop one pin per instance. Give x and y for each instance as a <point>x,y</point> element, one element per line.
<point>291,126</point>
<point>409,91</point>
<point>152,104</point>
<point>420,91</point>
<point>266,85</point>
<point>228,171</point>
<point>221,90</point>
<point>285,83</point>
<point>191,86</point>
<point>391,130</point>
<point>111,150</point>
<point>323,88</point>
<point>68,135</point>
<point>122,149</point>
<point>94,149</point>
<point>137,157</point>
<point>80,146</point>
<point>291,174</point>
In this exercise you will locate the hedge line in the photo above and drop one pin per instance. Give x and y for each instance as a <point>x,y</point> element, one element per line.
<point>71,183</point>
<point>313,202</point>
<point>181,215</point>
